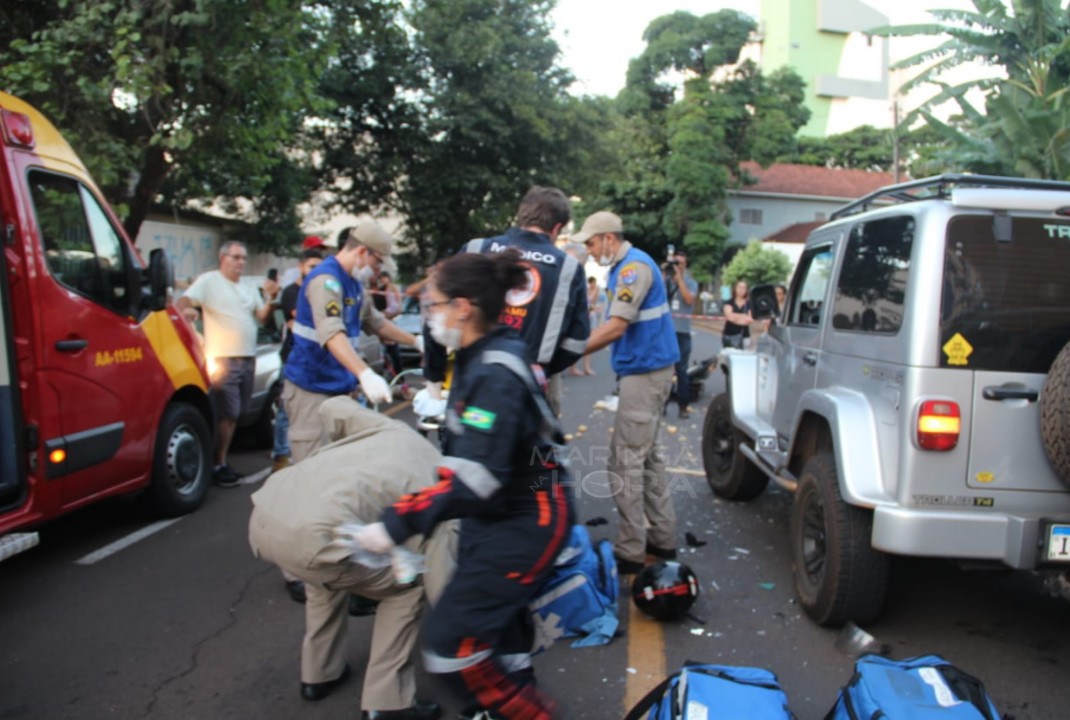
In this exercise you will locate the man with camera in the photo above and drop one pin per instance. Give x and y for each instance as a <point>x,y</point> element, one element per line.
<point>681,289</point>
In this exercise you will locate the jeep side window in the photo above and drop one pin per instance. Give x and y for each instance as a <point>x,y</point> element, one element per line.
<point>82,249</point>
<point>873,280</point>
<point>809,287</point>
<point>1010,301</point>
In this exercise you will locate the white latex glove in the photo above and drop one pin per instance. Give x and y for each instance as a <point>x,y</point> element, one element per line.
<point>419,344</point>
<point>434,389</point>
<point>374,387</point>
<point>424,405</point>
<point>374,538</point>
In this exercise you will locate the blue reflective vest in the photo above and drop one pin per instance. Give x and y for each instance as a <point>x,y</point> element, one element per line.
<point>310,365</point>
<point>649,343</point>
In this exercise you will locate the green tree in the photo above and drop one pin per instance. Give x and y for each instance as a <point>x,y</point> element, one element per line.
<point>1023,130</point>
<point>497,119</point>
<point>199,95</point>
<point>996,33</point>
<point>675,183</point>
<point>758,265</point>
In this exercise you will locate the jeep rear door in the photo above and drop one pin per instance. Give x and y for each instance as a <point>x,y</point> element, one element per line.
<point>1005,315</point>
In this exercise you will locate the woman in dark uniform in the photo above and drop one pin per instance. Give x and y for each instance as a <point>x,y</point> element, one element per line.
<point>500,475</point>
<point>737,317</point>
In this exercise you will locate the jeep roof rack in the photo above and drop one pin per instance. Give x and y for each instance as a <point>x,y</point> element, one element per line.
<point>939,186</point>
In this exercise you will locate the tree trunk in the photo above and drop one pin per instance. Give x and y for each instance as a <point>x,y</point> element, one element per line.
<point>153,174</point>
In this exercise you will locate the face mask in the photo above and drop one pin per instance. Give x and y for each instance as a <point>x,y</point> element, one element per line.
<point>447,336</point>
<point>364,274</point>
<point>606,259</point>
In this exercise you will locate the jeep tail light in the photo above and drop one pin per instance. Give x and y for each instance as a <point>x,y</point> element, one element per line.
<point>17,128</point>
<point>939,425</point>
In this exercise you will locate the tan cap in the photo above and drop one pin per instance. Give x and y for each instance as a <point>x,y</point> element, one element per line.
<point>598,223</point>
<point>372,236</point>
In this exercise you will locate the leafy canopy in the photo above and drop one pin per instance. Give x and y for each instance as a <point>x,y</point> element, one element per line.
<point>758,265</point>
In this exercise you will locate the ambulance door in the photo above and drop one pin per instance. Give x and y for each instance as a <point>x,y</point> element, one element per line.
<point>12,477</point>
<point>96,357</point>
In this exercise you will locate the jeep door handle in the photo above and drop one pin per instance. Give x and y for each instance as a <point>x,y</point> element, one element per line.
<point>810,359</point>
<point>71,346</point>
<point>995,392</point>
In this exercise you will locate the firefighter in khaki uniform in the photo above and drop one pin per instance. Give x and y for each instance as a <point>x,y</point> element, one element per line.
<point>372,461</point>
<point>639,326</point>
<point>332,309</point>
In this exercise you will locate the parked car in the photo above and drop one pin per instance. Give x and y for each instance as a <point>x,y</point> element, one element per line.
<point>410,320</point>
<point>912,394</point>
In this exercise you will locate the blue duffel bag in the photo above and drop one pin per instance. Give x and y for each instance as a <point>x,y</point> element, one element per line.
<point>717,692</point>
<point>921,688</point>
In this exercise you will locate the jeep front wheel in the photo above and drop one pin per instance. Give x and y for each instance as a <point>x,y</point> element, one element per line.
<point>839,577</point>
<point>729,473</point>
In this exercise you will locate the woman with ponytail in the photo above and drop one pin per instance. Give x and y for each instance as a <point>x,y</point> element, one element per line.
<point>501,476</point>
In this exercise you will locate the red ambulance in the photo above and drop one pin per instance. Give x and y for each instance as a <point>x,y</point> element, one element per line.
<point>103,388</point>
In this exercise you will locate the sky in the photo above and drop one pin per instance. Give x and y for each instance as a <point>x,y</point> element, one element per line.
<point>598,38</point>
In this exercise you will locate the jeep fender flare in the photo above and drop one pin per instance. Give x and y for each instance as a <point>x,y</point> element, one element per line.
<point>853,427</point>
<point>741,372</point>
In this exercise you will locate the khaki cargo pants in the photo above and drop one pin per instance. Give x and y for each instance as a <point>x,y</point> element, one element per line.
<point>307,433</point>
<point>637,469</point>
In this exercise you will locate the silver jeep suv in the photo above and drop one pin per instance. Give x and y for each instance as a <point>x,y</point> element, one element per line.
<point>914,391</point>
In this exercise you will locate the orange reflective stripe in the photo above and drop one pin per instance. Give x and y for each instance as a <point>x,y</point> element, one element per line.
<point>544,509</point>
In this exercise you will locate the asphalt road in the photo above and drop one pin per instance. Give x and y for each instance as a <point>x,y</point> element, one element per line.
<point>185,623</point>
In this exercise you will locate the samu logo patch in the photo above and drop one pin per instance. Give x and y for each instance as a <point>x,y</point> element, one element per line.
<point>478,418</point>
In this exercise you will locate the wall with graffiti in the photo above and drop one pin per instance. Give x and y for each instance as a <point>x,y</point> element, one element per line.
<point>194,249</point>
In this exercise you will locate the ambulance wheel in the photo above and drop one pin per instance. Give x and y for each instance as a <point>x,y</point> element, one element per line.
<point>730,475</point>
<point>1055,415</point>
<point>839,577</point>
<point>182,461</point>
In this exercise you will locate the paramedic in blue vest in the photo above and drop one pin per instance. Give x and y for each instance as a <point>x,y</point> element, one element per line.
<point>332,309</point>
<point>550,310</point>
<point>499,474</point>
<point>639,326</point>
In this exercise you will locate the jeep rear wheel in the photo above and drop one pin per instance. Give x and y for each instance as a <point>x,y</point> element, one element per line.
<point>1055,415</point>
<point>839,577</point>
<point>729,474</point>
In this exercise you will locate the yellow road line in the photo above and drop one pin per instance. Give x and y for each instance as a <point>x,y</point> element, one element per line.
<point>646,653</point>
<point>685,471</point>
<point>397,408</point>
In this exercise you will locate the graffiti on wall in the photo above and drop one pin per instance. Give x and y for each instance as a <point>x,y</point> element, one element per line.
<point>193,250</point>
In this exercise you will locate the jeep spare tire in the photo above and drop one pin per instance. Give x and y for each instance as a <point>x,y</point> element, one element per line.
<point>1055,415</point>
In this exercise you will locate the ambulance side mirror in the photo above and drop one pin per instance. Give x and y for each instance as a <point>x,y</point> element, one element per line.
<point>161,277</point>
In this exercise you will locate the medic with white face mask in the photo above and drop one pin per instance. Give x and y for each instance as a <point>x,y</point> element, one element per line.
<point>332,309</point>
<point>645,350</point>
<point>501,476</point>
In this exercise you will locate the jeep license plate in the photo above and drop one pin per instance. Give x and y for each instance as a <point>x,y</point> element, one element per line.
<point>1058,543</point>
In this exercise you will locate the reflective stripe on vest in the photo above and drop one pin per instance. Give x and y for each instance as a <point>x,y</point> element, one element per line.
<point>310,365</point>
<point>650,342</point>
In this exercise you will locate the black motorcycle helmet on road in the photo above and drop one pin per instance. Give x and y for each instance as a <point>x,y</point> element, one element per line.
<point>665,590</point>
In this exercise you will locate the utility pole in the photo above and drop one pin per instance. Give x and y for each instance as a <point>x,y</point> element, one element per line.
<point>895,141</point>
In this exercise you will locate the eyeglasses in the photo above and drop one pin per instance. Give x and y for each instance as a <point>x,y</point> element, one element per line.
<point>238,257</point>
<point>429,305</point>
